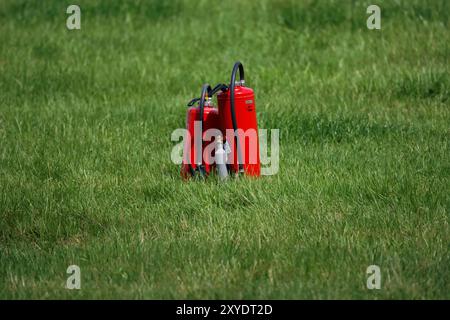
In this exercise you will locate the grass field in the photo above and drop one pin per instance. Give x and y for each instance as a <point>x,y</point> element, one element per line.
<point>86,176</point>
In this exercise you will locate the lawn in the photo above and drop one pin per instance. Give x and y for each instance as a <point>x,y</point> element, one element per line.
<point>86,177</point>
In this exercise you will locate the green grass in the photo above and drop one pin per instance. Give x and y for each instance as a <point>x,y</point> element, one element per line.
<point>86,176</point>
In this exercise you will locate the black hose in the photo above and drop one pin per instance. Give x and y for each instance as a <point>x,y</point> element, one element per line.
<point>237,66</point>
<point>204,93</point>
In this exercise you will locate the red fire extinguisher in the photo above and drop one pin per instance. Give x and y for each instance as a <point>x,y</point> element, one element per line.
<point>206,117</point>
<point>237,117</point>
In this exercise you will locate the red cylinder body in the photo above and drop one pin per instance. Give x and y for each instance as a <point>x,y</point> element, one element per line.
<point>245,111</point>
<point>210,120</point>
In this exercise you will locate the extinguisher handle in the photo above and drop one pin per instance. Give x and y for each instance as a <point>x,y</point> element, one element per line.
<point>192,102</point>
<point>217,88</point>
<point>211,92</point>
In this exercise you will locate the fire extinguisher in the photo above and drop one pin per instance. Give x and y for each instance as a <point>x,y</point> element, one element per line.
<point>237,118</point>
<point>206,117</point>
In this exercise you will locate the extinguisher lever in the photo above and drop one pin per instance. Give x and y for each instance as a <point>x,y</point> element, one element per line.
<point>192,102</point>
<point>211,92</point>
<point>217,88</point>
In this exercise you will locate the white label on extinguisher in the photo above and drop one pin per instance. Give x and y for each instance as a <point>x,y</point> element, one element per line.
<point>248,101</point>
<point>226,146</point>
